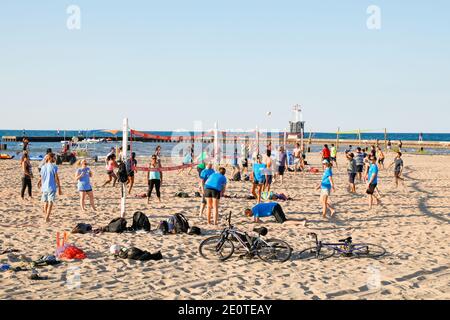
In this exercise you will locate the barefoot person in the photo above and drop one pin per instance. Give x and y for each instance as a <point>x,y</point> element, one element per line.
<point>398,168</point>
<point>49,184</point>
<point>351,170</point>
<point>333,155</point>
<point>381,157</point>
<point>282,163</point>
<point>372,181</point>
<point>83,177</point>
<point>131,170</point>
<point>111,165</point>
<point>359,158</point>
<point>204,176</point>
<point>326,186</point>
<point>258,177</point>
<point>155,179</point>
<point>27,176</point>
<point>215,188</point>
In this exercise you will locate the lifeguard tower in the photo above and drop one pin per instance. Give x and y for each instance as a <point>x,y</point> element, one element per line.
<point>297,127</point>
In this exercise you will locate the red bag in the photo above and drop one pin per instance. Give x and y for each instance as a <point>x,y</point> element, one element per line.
<point>72,252</point>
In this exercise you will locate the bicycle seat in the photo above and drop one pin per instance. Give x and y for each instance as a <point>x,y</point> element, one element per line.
<point>261,231</point>
<point>349,239</point>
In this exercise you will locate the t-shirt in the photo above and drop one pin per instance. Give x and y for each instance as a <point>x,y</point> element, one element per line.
<point>263,209</point>
<point>326,153</point>
<point>351,166</point>
<point>258,171</point>
<point>281,162</point>
<point>206,174</point>
<point>359,158</point>
<point>373,170</point>
<point>203,156</point>
<point>326,183</point>
<point>398,165</point>
<point>48,175</point>
<point>84,184</point>
<point>333,152</point>
<point>216,182</point>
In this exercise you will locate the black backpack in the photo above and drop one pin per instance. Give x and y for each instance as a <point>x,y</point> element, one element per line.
<point>123,172</point>
<point>82,228</point>
<point>117,225</point>
<point>140,222</point>
<point>181,223</point>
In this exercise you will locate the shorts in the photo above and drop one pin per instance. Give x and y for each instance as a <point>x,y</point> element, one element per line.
<point>381,161</point>
<point>259,182</point>
<point>333,159</point>
<point>371,189</point>
<point>211,193</point>
<point>351,178</point>
<point>360,168</point>
<point>90,190</point>
<point>49,196</point>
<point>131,174</point>
<point>325,192</point>
<point>327,159</point>
<point>281,170</point>
<point>397,174</point>
<point>245,163</point>
<point>110,173</point>
<point>269,179</point>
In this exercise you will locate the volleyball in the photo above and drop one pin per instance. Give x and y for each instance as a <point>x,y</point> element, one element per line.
<point>115,249</point>
<point>269,113</point>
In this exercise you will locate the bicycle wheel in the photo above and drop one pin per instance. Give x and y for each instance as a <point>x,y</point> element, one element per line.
<point>274,250</point>
<point>312,253</point>
<point>215,248</point>
<point>367,250</point>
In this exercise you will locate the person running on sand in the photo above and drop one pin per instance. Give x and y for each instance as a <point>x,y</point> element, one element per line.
<point>259,178</point>
<point>282,163</point>
<point>83,177</point>
<point>50,184</point>
<point>215,188</point>
<point>398,168</point>
<point>326,186</point>
<point>27,170</point>
<point>372,182</point>
<point>333,155</point>
<point>155,179</point>
<point>131,170</point>
<point>352,170</point>
<point>110,166</point>
<point>204,176</point>
<point>381,157</point>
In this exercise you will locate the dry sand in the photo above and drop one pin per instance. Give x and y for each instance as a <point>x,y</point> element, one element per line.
<point>412,224</point>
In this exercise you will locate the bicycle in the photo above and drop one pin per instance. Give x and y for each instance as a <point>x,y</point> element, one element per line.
<point>345,248</point>
<point>222,247</point>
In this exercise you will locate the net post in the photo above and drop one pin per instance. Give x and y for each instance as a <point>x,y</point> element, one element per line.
<point>124,158</point>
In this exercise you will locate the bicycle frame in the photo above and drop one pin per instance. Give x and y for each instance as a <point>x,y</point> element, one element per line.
<point>348,246</point>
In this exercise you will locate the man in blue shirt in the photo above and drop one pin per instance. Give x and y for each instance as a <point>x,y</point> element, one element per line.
<point>215,188</point>
<point>204,176</point>
<point>262,210</point>
<point>373,181</point>
<point>259,178</point>
<point>49,182</point>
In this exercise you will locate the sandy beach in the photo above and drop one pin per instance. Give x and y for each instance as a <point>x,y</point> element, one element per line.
<point>412,224</point>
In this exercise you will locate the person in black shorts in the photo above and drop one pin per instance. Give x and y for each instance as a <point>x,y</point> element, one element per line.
<point>131,169</point>
<point>215,188</point>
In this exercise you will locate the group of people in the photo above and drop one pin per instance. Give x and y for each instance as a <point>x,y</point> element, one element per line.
<point>362,164</point>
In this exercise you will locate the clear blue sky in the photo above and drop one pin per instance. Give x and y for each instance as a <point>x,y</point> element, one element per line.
<point>165,64</point>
